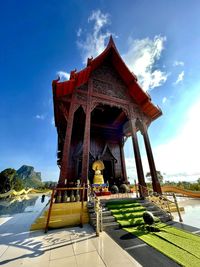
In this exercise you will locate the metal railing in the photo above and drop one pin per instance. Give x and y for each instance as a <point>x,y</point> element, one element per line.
<point>177,207</point>
<point>162,202</point>
<point>99,215</point>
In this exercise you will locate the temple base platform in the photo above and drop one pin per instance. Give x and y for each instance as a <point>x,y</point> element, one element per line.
<point>62,215</point>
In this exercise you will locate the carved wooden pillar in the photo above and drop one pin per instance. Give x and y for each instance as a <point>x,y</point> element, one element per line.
<point>64,170</point>
<point>138,161</point>
<point>86,141</point>
<point>155,181</point>
<point>123,163</point>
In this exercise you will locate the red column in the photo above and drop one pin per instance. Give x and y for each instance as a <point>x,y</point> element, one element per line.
<point>155,181</point>
<point>123,162</point>
<point>86,140</point>
<point>64,170</point>
<point>138,160</point>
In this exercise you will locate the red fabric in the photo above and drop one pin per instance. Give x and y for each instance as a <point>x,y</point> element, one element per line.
<point>98,194</point>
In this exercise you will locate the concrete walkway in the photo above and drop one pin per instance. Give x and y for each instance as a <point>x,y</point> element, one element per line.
<point>61,247</point>
<point>64,247</point>
<point>69,246</point>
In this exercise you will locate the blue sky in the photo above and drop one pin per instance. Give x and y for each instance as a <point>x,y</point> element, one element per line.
<point>159,41</point>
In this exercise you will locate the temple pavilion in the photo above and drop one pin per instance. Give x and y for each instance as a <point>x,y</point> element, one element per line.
<point>95,111</point>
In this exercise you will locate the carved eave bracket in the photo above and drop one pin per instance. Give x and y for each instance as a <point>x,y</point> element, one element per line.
<point>141,125</point>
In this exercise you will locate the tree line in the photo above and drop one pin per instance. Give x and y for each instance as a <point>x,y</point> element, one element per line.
<point>9,180</point>
<point>193,186</point>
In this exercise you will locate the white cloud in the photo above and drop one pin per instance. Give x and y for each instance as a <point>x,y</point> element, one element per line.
<point>79,32</point>
<point>178,158</point>
<point>180,155</point>
<point>164,100</point>
<point>180,177</point>
<point>64,76</point>
<point>180,78</point>
<point>95,41</point>
<point>141,58</point>
<point>130,167</point>
<point>40,117</point>
<point>178,63</point>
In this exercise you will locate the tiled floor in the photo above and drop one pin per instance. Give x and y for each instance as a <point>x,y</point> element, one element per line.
<point>64,247</point>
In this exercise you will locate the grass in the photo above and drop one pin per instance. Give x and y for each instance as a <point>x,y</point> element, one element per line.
<point>179,245</point>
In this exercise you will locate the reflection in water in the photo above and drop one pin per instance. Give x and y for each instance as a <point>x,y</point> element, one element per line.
<point>21,204</point>
<point>42,198</point>
<point>191,215</point>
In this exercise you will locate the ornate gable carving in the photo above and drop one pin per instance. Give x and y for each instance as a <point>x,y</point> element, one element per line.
<point>83,87</point>
<point>108,82</point>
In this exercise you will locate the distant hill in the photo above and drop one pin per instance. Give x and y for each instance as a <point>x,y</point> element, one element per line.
<point>30,177</point>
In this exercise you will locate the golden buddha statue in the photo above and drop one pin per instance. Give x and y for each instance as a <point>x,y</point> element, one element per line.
<point>98,166</point>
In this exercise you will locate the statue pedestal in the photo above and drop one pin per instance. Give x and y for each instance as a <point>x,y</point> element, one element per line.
<point>101,189</point>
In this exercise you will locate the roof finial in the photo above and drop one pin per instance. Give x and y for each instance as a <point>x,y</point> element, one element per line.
<point>89,60</point>
<point>111,42</point>
<point>73,74</point>
<point>56,81</point>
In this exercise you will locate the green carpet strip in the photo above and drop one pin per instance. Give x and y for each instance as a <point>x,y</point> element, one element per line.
<point>127,213</point>
<point>181,246</point>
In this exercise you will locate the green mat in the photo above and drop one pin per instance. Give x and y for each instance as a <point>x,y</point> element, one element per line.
<point>179,245</point>
<point>127,213</point>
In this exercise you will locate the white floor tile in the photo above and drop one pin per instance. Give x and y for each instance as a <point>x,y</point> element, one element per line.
<point>3,248</point>
<point>107,249</point>
<point>42,258</point>
<point>90,259</point>
<point>61,252</point>
<point>14,263</point>
<point>13,253</point>
<point>65,262</point>
<point>83,246</point>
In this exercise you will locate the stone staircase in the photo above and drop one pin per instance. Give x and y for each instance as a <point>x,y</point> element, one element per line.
<point>109,221</point>
<point>107,218</point>
<point>155,210</point>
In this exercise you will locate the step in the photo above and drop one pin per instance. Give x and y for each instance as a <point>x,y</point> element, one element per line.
<point>104,214</point>
<point>65,218</point>
<point>157,212</point>
<point>152,208</point>
<point>105,219</point>
<point>55,212</point>
<point>92,210</point>
<point>113,225</point>
<point>60,221</point>
<point>165,218</point>
<point>146,204</point>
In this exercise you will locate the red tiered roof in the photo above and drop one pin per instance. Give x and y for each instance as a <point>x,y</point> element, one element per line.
<point>78,78</point>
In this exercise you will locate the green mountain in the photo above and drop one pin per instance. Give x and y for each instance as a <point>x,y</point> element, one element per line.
<point>30,177</point>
